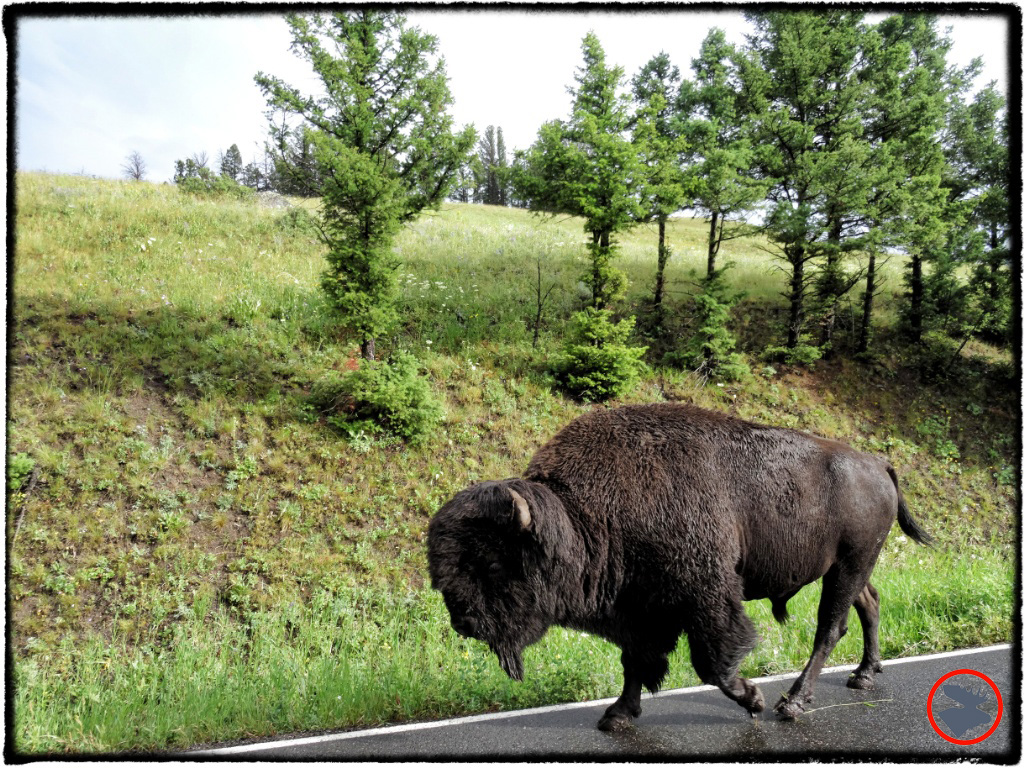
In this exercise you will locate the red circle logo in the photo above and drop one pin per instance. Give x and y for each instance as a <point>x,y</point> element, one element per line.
<point>968,716</point>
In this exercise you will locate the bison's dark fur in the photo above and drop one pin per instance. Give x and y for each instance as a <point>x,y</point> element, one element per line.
<point>641,523</point>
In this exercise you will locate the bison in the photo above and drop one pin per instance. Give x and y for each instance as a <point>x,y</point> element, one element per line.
<point>641,523</point>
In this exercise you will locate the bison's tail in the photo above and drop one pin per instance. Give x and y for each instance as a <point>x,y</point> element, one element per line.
<point>907,523</point>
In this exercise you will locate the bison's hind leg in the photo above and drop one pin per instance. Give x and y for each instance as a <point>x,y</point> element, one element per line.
<point>845,583</point>
<point>866,604</point>
<point>717,646</point>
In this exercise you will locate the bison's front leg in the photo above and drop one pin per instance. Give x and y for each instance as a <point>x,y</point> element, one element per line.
<point>718,646</point>
<point>619,715</point>
<point>638,669</point>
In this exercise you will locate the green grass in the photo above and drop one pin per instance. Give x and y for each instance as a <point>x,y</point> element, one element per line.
<point>195,554</point>
<point>382,657</point>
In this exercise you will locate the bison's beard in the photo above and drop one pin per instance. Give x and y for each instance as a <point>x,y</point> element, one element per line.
<point>511,661</point>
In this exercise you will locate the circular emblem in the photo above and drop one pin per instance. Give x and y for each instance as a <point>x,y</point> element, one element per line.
<point>964,707</point>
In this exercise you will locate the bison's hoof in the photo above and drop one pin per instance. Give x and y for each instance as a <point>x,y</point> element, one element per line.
<point>863,678</point>
<point>618,717</point>
<point>615,723</point>
<point>788,709</point>
<point>861,682</point>
<point>754,700</point>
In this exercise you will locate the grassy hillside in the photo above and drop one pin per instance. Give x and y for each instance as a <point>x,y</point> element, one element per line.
<point>196,554</point>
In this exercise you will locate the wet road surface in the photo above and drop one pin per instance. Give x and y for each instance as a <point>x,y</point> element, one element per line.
<point>890,723</point>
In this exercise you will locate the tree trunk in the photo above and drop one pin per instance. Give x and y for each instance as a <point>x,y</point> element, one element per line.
<point>712,244</point>
<point>659,280</point>
<point>916,297</point>
<point>796,297</point>
<point>603,241</point>
<point>369,348</point>
<point>869,299</point>
<point>833,287</point>
<point>596,277</point>
<point>993,263</point>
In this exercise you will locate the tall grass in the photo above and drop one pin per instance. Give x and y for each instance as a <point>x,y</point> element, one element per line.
<point>367,658</point>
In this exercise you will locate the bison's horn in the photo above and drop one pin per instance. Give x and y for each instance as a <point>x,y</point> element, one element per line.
<point>522,510</point>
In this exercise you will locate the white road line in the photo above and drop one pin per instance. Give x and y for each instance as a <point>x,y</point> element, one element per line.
<point>390,729</point>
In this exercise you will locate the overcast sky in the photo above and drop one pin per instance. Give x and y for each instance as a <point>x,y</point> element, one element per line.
<point>90,90</point>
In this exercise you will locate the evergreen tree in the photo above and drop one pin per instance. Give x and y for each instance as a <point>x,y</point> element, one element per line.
<point>491,169</point>
<point>464,187</point>
<point>296,165</point>
<point>659,143</point>
<point>190,168</point>
<point>504,172</point>
<point>977,155</point>
<point>720,154</point>
<point>383,143</point>
<point>252,177</point>
<point>587,167</point>
<point>231,163</point>
<point>488,182</point>
<point>805,98</point>
<point>906,69</point>
<point>711,352</point>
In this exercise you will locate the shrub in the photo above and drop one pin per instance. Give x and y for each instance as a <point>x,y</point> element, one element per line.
<point>711,352</point>
<point>380,398</point>
<point>202,182</point>
<point>299,221</point>
<point>801,354</point>
<point>19,467</point>
<point>597,363</point>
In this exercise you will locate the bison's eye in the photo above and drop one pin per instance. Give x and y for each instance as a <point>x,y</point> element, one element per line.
<point>487,570</point>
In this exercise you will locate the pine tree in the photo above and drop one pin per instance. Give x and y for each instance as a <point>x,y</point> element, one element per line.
<point>587,167</point>
<point>720,154</point>
<point>711,351</point>
<point>488,182</point>
<point>296,164</point>
<point>504,172</point>
<point>383,143</point>
<point>978,178</point>
<point>903,119</point>
<point>804,97</point>
<point>464,187</point>
<point>252,177</point>
<point>231,163</point>
<point>659,143</point>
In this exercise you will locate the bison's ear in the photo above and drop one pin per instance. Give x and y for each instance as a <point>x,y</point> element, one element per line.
<point>522,510</point>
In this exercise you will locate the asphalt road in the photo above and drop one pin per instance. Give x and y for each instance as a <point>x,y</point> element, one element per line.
<point>889,723</point>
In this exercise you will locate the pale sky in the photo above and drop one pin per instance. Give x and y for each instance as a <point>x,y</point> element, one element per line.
<point>90,90</point>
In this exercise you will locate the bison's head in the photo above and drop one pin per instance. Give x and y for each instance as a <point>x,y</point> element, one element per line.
<point>488,560</point>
